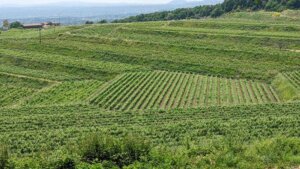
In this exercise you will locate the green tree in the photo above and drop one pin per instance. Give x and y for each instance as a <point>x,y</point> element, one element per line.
<point>16,25</point>
<point>89,22</point>
<point>218,11</point>
<point>103,21</point>
<point>293,4</point>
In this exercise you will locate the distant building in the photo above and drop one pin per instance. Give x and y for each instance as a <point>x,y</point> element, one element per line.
<point>32,26</point>
<point>40,25</point>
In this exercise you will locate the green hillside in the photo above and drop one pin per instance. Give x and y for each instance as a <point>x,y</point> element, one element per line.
<point>208,93</point>
<point>227,6</point>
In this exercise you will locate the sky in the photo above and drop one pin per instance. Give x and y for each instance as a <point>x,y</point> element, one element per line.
<point>43,2</point>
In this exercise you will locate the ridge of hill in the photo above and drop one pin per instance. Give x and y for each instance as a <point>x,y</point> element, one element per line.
<point>215,10</point>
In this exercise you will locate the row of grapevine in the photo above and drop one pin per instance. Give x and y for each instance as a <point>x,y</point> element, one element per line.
<point>169,90</point>
<point>15,88</point>
<point>10,95</point>
<point>34,129</point>
<point>65,93</point>
<point>70,61</point>
<point>293,77</point>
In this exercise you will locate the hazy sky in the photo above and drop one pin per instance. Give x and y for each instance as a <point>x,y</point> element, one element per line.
<point>38,2</point>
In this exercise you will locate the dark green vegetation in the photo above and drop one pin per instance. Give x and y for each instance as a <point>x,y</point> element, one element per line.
<point>15,25</point>
<point>215,10</point>
<point>212,93</point>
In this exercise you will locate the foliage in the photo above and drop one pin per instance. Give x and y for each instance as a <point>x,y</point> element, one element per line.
<point>89,22</point>
<point>215,10</point>
<point>66,164</point>
<point>103,21</point>
<point>276,152</point>
<point>99,148</point>
<point>16,25</point>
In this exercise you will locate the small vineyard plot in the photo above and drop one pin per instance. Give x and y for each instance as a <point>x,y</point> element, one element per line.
<point>65,93</point>
<point>170,90</point>
<point>14,88</point>
<point>293,77</point>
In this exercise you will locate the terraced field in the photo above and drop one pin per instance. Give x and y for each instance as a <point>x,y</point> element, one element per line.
<point>200,91</point>
<point>169,90</point>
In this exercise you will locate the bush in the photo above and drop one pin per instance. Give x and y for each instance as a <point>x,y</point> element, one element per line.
<point>103,21</point>
<point>67,163</point>
<point>89,22</point>
<point>275,152</point>
<point>99,148</point>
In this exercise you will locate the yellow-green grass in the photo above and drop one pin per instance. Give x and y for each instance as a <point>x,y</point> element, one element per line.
<point>288,85</point>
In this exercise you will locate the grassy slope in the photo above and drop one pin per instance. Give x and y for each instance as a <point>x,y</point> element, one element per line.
<point>284,88</point>
<point>228,47</point>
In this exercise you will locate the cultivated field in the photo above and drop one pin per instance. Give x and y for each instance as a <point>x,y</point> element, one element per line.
<point>206,90</point>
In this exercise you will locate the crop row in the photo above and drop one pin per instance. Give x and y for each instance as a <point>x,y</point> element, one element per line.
<point>169,90</point>
<point>293,77</point>
<point>14,88</point>
<point>10,95</point>
<point>65,93</point>
<point>70,61</point>
<point>29,130</point>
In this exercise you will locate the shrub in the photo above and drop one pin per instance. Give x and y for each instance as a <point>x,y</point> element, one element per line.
<point>67,163</point>
<point>275,152</point>
<point>99,148</point>
<point>89,22</point>
<point>103,21</point>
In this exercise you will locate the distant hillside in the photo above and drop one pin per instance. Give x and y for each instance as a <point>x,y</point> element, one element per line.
<point>203,2</point>
<point>215,10</point>
<point>194,3</point>
<point>80,12</point>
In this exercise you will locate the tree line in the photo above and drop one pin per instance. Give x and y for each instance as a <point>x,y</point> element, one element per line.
<point>215,10</point>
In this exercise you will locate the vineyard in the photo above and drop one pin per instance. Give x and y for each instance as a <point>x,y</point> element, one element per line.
<point>164,90</point>
<point>294,78</point>
<point>13,88</point>
<point>209,93</point>
<point>68,123</point>
<point>65,93</point>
